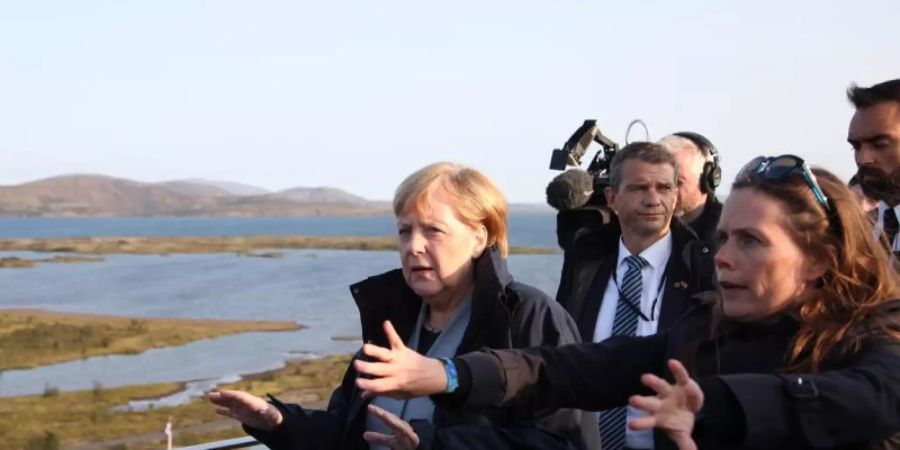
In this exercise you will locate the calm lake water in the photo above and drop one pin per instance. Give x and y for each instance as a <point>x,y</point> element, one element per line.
<point>306,286</point>
<point>524,229</point>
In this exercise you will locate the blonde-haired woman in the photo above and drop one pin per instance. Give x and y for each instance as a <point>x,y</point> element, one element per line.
<point>453,295</point>
<point>800,350</point>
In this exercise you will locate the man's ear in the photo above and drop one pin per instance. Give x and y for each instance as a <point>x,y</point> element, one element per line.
<point>610,198</point>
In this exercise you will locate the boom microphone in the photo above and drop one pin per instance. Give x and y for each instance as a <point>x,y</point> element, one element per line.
<point>570,190</point>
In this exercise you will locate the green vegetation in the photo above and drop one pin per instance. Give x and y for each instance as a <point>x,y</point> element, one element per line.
<point>243,245</point>
<point>533,250</point>
<point>198,244</point>
<point>49,441</point>
<point>273,255</point>
<point>14,262</point>
<point>30,338</point>
<point>71,259</point>
<point>75,419</point>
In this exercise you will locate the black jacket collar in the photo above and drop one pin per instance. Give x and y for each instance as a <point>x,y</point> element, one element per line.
<point>388,297</point>
<point>705,225</point>
<point>680,282</point>
<point>607,247</point>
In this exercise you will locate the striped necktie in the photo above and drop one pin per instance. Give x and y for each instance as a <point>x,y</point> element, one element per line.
<point>612,421</point>
<point>890,226</point>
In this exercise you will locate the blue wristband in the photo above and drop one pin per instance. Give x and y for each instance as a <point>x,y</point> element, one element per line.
<point>450,371</point>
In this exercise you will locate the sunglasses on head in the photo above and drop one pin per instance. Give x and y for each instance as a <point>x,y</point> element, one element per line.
<point>780,168</point>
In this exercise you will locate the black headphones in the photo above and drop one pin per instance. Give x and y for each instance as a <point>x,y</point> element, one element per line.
<point>712,173</point>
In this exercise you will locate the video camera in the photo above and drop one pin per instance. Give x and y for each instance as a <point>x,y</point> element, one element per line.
<point>598,170</point>
<point>579,195</point>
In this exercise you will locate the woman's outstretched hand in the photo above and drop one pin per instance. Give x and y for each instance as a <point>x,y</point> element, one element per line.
<point>399,372</point>
<point>246,408</point>
<point>402,436</point>
<point>672,409</point>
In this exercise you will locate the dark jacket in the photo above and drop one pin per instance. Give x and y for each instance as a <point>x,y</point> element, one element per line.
<point>588,269</point>
<point>505,314</point>
<point>852,402</point>
<point>705,225</point>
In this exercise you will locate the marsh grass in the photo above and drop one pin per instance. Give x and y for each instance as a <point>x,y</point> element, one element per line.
<point>29,338</point>
<point>78,418</point>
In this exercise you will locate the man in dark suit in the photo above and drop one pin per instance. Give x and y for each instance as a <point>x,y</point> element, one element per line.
<point>638,275</point>
<point>874,134</point>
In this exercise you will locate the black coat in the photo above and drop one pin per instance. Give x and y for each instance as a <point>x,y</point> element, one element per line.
<point>852,402</point>
<point>505,314</point>
<point>588,268</point>
<point>705,225</point>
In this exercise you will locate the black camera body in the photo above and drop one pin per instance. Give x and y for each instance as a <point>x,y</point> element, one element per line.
<point>579,195</point>
<point>572,153</point>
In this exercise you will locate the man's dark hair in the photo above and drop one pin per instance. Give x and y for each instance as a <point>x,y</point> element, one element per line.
<point>862,97</point>
<point>647,152</point>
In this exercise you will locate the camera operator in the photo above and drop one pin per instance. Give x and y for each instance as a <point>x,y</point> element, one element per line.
<point>699,175</point>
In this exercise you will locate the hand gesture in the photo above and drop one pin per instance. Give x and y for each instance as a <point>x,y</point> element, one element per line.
<point>672,409</point>
<point>400,372</point>
<point>403,436</point>
<point>246,408</point>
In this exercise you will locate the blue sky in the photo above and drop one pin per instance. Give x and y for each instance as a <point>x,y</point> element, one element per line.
<point>357,95</point>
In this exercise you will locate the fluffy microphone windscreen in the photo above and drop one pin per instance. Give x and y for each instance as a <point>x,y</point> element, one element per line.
<point>570,190</point>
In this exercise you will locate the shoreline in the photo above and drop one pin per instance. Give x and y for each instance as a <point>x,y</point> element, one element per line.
<point>241,245</point>
<point>16,262</point>
<point>99,425</point>
<point>30,338</point>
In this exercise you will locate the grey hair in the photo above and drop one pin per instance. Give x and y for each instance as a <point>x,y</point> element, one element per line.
<point>675,143</point>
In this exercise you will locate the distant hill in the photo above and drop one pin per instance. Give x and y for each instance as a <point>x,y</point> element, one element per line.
<point>195,189</point>
<point>230,187</point>
<point>99,195</point>
<point>530,208</point>
<point>319,195</point>
<point>74,195</point>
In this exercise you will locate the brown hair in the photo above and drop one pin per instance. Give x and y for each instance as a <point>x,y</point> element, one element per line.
<point>859,277</point>
<point>476,200</point>
<point>647,152</point>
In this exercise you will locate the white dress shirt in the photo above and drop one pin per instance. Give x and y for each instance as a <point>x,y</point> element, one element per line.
<point>657,256</point>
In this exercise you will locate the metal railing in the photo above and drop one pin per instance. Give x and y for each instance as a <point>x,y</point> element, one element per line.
<point>227,444</point>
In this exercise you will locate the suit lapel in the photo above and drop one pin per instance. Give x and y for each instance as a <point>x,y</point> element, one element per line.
<point>592,297</point>
<point>677,292</point>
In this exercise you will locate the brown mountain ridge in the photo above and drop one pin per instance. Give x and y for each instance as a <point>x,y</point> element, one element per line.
<point>100,195</point>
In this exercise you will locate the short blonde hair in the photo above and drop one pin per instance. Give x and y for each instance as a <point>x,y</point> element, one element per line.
<point>476,200</point>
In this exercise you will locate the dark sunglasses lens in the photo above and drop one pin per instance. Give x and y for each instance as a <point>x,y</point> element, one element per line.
<point>782,167</point>
<point>751,167</point>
